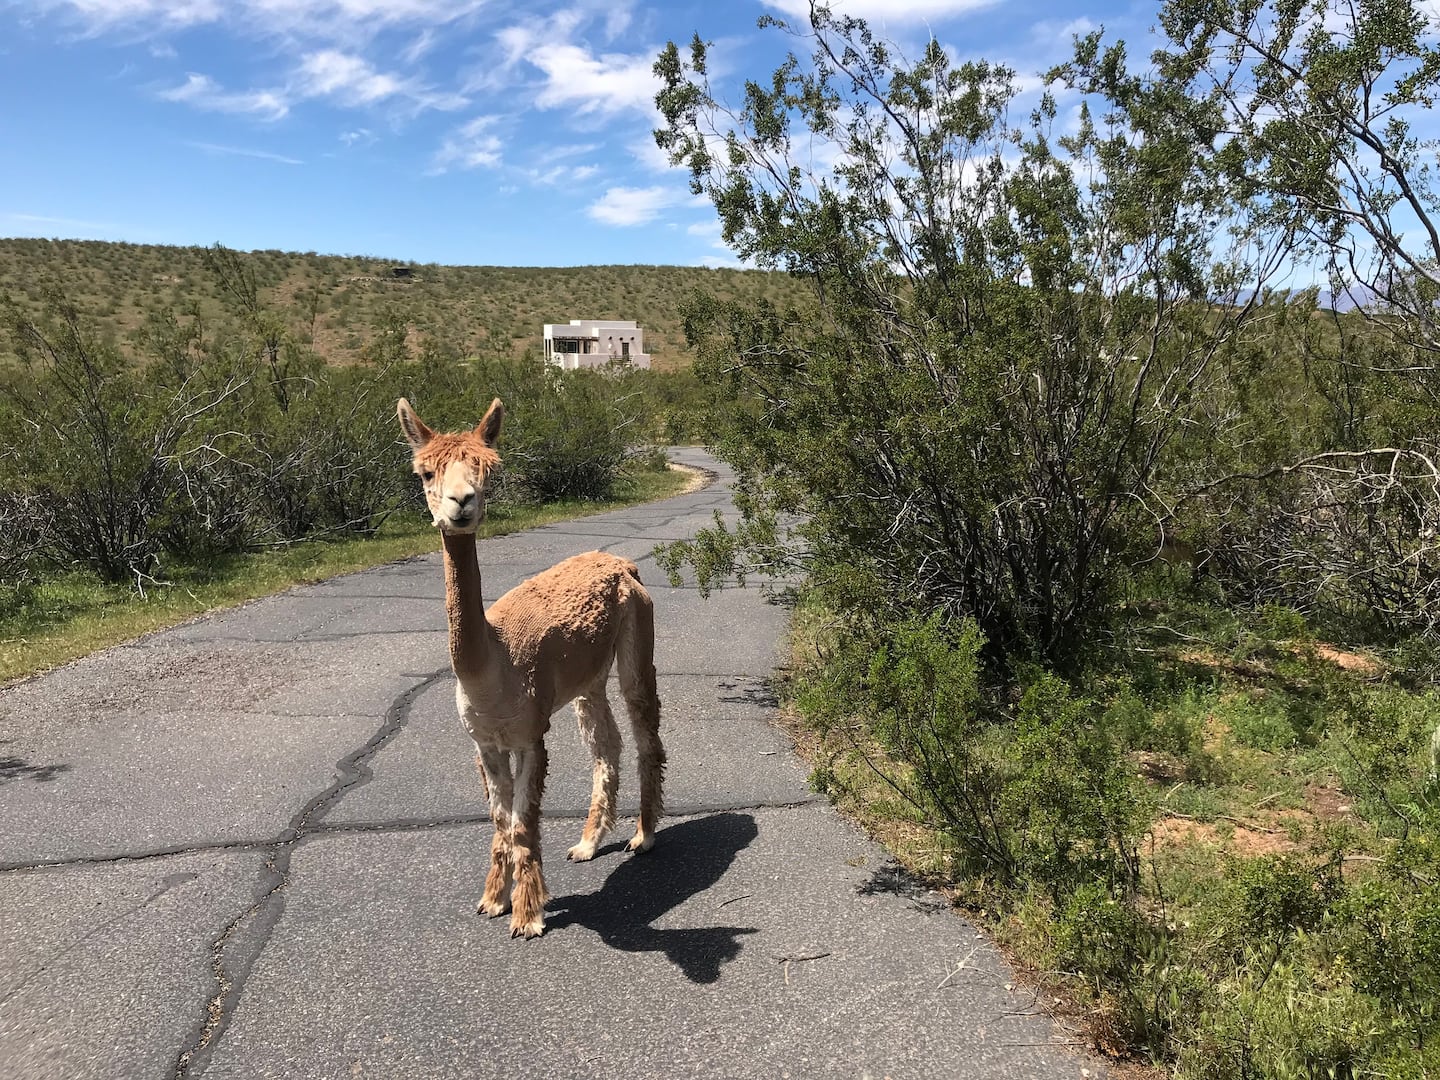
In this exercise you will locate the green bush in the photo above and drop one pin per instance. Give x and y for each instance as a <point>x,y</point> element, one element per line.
<point>1072,801</point>
<point>232,436</point>
<point>1047,800</point>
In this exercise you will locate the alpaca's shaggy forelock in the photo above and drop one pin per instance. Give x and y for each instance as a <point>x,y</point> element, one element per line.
<point>438,454</point>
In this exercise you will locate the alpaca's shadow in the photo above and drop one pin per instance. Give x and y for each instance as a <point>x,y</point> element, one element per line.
<point>688,858</point>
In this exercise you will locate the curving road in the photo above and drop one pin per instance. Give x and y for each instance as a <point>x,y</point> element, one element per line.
<point>251,846</point>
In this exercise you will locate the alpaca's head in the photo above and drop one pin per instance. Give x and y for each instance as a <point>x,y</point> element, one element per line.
<point>454,469</point>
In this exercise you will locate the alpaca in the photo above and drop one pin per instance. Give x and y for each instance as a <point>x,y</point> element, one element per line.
<point>550,640</point>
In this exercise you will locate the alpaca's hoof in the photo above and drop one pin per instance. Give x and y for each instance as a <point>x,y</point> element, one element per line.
<point>641,842</point>
<point>532,929</point>
<point>581,852</point>
<point>492,908</point>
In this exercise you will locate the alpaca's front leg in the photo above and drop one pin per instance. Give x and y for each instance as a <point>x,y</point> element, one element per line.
<point>499,785</point>
<point>530,894</point>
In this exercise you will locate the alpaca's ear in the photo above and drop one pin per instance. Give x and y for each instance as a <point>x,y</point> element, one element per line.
<point>489,428</point>
<point>416,433</point>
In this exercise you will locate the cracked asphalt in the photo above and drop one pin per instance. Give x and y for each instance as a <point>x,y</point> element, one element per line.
<point>251,846</point>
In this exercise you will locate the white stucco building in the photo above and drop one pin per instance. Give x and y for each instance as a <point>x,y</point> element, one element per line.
<point>594,343</point>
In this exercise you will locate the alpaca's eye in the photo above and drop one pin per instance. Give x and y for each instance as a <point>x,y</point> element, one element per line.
<point>427,476</point>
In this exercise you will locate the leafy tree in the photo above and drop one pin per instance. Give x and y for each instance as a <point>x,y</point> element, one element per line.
<point>1320,113</point>
<point>1012,327</point>
<point>94,444</point>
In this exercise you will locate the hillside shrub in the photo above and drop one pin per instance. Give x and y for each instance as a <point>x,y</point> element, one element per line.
<point>222,437</point>
<point>1015,325</point>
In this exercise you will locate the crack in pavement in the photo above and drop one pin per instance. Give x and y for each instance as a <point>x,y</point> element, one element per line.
<point>318,829</point>
<point>134,856</point>
<point>683,811</point>
<point>249,932</point>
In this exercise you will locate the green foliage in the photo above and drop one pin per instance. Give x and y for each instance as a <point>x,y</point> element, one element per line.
<point>1047,800</point>
<point>91,445</point>
<point>920,692</point>
<point>1010,336</point>
<point>1310,478</point>
<point>227,435</point>
<point>1074,800</point>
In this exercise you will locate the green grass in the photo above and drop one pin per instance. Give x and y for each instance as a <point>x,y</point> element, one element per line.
<point>65,617</point>
<point>1285,920</point>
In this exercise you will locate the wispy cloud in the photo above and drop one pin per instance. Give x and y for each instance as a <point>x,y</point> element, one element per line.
<point>423,43</point>
<point>471,146</point>
<point>573,77</point>
<point>44,225</point>
<point>886,11</point>
<point>353,81</point>
<point>241,151</point>
<point>204,92</point>
<point>623,206</point>
<point>609,83</point>
<point>325,20</point>
<point>341,77</point>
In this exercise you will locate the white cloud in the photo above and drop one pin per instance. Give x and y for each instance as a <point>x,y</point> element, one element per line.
<point>240,151</point>
<point>574,77</point>
<point>423,43</point>
<point>886,11</point>
<point>328,73</point>
<point>333,20</point>
<point>609,83</point>
<point>617,20</point>
<point>471,146</point>
<point>650,156</point>
<point>351,80</point>
<point>204,92</point>
<point>357,137</point>
<point>552,154</point>
<point>43,225</point>
<point>623,206</point>
<point>556,175</point>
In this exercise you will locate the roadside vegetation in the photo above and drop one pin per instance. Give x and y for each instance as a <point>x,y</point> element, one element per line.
<point>201,460</point>
<point>1117,557</point>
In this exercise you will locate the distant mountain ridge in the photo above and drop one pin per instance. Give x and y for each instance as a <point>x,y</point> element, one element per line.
<point>337,303</point>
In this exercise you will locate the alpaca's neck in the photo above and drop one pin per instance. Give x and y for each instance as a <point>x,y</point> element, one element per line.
<point>471,635</point>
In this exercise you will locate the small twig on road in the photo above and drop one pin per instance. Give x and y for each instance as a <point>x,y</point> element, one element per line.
<point>742,896</point>
<point>959,968</point>
<point>768,753</point>
<point>788,960</point>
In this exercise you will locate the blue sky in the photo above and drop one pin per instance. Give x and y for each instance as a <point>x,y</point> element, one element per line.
<point>450,131</point>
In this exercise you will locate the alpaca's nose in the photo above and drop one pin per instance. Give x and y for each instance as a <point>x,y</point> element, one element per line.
<point>465,501</point>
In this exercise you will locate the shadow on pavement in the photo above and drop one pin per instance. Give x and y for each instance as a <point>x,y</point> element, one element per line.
<point>14,768</point>
<point>687,859</point>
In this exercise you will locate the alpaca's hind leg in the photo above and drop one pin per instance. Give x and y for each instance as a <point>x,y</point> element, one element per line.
<point>530,895</point>
<point>597,727</point>
<point>499,786</point>
<point>642,701</point>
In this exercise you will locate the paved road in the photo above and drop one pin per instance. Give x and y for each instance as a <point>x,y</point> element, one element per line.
<point>251,846</point>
